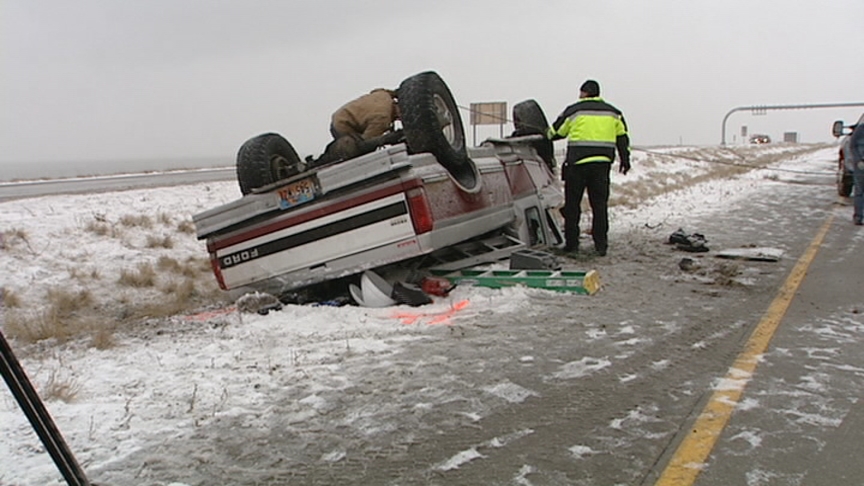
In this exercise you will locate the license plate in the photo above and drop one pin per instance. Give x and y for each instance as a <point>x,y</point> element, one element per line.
<point>297,192</point>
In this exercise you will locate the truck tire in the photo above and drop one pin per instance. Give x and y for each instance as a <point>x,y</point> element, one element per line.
<point>529,119</point>
<point>431,122</point>
<point>844,181</point>
<point>844,177</point>
<point>265,159</point>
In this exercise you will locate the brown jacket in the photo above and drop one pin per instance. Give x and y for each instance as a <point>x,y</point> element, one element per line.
<point>368,116</point>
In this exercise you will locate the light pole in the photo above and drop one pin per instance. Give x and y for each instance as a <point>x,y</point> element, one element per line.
<point>762,109</point>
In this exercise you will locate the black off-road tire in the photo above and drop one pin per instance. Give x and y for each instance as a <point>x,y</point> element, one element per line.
<point>844,184</point>
<point>431,122</point>
<point>265,159</point>
<point>844,179</point>
<point>529,119</point>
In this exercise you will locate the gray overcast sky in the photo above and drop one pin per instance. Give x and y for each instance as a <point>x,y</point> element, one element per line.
<point>102,79</point>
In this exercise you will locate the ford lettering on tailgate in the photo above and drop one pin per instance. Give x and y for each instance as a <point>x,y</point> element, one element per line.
<point>297,192</point>
<point>395,211</point>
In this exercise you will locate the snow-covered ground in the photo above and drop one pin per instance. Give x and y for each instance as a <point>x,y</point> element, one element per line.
<point>150,355</point>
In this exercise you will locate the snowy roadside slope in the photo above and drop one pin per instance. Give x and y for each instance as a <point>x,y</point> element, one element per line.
<point>152,408</point>
<point>85,242</point>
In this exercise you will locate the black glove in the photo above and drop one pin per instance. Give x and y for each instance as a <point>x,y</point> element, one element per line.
<point>624,167</point>
<point>393,137</point>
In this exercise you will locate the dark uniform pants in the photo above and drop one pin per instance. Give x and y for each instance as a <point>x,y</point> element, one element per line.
<point>593,176</point>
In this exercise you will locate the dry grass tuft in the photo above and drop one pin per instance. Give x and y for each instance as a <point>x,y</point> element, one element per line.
<point>68,315</point>
<point>74,315</point>
<point>58,388</point>
<point>76,273</point>
<point>157,242</point>
<point>11,238</point>
<point>38,326</point>
<point>184,288</point>
<point>100,228</point>
<point>65,304</point>
<point>137,220</point>
<point>8,298</point>
<point>199,264</point>
<point>168,264</point>
<point>165,219</point>
<point>156,310</point>
<point>181,291</point>
<point>63,317</point>
<point>181,296</point>
<point>17,234</point>
<point>19,326</point>
<point>103,338</point>
<point>192,267</point>
<point>144,276</point>
<point>193,293</point>
<point>186,226</point>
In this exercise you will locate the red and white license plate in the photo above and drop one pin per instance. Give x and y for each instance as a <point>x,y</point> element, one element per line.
<point>297,192</point>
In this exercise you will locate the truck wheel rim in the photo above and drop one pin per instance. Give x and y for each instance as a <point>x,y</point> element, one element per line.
<point>445,120</point>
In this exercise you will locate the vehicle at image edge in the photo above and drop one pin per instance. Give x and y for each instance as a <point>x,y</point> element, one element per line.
<point>844,170</point>
<point>760,139</point>
<point>297,228</point>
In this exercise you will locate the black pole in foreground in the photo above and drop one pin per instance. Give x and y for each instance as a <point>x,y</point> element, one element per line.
<point>35,411</point>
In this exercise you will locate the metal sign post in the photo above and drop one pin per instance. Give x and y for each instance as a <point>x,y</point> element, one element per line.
<point>763,109</point>
<point>488,113</point>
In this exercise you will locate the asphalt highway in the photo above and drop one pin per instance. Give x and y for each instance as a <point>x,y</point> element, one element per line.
<point>17,190</point>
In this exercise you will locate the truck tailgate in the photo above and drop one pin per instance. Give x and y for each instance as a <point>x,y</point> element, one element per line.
<point>319,240</point>
<point>328,179</point>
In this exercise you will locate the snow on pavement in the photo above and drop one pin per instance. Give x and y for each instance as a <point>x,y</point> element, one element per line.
<point>167,379</point>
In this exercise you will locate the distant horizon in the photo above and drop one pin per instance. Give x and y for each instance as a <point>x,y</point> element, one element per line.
<point>61,169</point>
<point>116,159</point>
<point>23,171</point>
<point>732,141</point>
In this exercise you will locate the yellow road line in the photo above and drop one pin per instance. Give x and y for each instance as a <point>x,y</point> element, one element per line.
<point>690,457</point>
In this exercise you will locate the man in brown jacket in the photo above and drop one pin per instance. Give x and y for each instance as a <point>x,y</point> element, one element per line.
<point>361,126</point>
<point>368,116</point>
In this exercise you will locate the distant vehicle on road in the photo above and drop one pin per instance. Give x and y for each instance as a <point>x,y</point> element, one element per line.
<point>760,139</point>
<point>845,167</point>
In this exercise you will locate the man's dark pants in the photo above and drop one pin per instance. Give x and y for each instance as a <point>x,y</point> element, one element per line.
<point>593,176</point>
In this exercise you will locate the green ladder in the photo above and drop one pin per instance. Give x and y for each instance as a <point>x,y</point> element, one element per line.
<point>586,283</point>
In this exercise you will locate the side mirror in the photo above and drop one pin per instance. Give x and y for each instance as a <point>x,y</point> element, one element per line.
<point>837,128</point>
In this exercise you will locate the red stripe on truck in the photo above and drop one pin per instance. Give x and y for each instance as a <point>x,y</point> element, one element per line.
<point>306,214</point>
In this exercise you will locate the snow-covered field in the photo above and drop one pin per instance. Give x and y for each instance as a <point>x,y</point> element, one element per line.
<point>152,352</point>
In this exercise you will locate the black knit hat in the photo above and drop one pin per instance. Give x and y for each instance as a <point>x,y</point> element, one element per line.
<point>590,88</point>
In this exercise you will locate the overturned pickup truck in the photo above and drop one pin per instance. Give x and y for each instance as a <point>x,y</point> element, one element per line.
<point>404,205</point>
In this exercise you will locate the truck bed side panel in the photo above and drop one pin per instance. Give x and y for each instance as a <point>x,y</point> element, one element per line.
<point>447,201</point>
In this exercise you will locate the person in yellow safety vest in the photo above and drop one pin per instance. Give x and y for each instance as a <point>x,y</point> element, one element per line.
<point>594,129</point>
